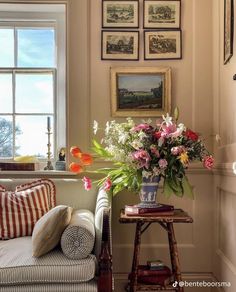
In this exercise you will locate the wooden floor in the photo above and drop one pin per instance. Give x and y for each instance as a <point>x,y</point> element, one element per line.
<point>120,287</point>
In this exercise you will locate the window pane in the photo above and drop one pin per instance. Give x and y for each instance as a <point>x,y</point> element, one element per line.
<point>33,140</point>
<point>34,93</point>
<point>6,136</point>
<point>36,48</point>
<point>5,93</point>
<point>6,47</point>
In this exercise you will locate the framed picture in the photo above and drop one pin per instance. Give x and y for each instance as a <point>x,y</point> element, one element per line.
<point>228,29</point>
<point>119,14</point>
<point>120,45</point>
<point>140,91</point>
<point>162,44</point>
<point>162,14</point>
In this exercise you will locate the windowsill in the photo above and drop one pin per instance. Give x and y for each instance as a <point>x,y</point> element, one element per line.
<point>37,173</point>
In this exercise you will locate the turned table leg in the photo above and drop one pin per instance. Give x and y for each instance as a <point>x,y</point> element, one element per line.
<point>174,256</point>
<point>137,242</point>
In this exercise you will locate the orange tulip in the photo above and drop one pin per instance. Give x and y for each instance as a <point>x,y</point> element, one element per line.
<point>75,167</point>
<point>75,151</point>
<point>86,159</point>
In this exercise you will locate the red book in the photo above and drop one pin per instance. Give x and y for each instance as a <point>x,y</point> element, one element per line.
<point>145,271</point>
<point>152,277</point>
<point>139,210</point>
<point>162,209</point>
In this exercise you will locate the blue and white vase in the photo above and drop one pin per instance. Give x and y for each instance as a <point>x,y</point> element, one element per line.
<point>148,192</point>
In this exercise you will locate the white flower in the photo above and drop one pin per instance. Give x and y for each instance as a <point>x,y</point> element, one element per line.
<point>136,144</point>
<point>146,174</point>
<point>123,138</point>
<point>149,121</point>
<point>142,135</point>
<point>156,171</point>
<point>181,127</point>
<point>167,119</point>
<point>95,127</point>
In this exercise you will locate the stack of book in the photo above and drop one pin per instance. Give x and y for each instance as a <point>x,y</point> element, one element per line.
<point>161,209</point>
<point>154,273</point>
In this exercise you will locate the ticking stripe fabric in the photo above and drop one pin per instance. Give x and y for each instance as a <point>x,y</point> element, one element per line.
<point>77,240</point>
<point>50,186</point>
<point>20,210</point>
<point>90,286</point>
<point>17,266</point>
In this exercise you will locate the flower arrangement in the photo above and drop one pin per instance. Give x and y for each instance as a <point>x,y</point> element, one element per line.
<point>143,150</point>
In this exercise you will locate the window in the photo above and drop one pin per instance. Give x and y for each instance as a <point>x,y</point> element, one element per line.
<point>32,79</point>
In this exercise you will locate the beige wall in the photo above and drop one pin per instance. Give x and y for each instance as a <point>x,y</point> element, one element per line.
<point>224,89</point>
<point>89,99</point>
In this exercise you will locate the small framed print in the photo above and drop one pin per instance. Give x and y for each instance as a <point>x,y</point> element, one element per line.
<point>120,45</point>
<point>162,14</point>
<point>120,14</point>
<point>228,29</point>
<point>162,44</point>
<point>140,91</point>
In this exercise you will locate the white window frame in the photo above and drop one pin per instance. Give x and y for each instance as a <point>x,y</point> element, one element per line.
<point>44,15</point>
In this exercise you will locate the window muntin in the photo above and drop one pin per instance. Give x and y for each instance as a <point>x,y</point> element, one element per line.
<point>31,97</point>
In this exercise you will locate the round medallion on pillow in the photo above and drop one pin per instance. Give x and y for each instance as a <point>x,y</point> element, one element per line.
<point>77,240</point>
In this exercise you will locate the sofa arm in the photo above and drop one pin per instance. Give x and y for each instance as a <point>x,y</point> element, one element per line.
<point>103,241</point>
<point>105,281</point>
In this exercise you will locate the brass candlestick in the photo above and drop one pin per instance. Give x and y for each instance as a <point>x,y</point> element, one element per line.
<point>49,153</point>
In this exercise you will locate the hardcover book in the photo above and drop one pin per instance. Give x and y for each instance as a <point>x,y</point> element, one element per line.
<point>162,209</point>
<point>157,277</point>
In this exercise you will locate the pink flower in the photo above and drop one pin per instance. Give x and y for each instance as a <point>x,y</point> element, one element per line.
<point>107,184</point>
<point>168,130</point>
<point>141,127</point>
<point>142,157</point>
<point>162,163</point>
<point>208,162</point>
<point>177,150</point>
<point>87,183</point>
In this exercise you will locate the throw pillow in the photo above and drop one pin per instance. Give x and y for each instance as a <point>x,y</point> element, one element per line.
<point>47,231</point>
<point>50,186</point>
<point>77,241</point>
<point>20,210</point>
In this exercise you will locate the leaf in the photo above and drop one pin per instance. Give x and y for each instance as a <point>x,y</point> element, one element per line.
<point>167,189</point>
<point>188,190</point>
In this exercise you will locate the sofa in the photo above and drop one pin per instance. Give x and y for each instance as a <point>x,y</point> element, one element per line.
<point>54,272</point>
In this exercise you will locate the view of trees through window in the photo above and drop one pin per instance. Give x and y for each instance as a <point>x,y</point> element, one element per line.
<point>27,89</point>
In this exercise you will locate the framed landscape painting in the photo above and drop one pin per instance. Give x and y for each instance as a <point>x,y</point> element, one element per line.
<point>228,29</point>
<point>120,45</point>
<point>162,14</point>
<point>162,44</point>
<point>140,91</point>
<point>120,14</point>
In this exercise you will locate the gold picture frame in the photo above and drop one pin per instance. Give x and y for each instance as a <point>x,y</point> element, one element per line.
<point>140,91</point>
<point>228,29</point>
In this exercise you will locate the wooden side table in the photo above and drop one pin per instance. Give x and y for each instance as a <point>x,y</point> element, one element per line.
<point>142,224</point>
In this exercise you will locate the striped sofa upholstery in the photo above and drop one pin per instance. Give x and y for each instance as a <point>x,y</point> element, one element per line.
<point>19,271</point>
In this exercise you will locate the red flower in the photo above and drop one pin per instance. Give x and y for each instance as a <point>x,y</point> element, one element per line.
<point>157,135</point>
<point>86,159</point>
<point>208,162</point>
<point>75,152</point>
<point>75,167</point>
<point>191,135</point>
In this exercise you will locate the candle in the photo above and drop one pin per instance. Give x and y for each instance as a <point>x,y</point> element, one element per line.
<point>49,123</point>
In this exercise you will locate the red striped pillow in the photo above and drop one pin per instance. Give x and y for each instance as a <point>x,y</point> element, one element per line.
<point>20,210</point>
